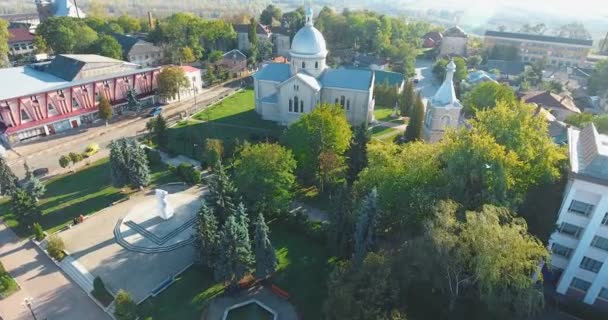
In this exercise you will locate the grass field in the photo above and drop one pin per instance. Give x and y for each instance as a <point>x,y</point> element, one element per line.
<point>303,269</point>
<point>81,193</point>
<point>232,119</point>
<point>382,113</point>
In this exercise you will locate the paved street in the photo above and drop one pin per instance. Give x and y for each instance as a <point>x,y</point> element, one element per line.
<point>55,297</point>
<point>45,153</point>
<point>427,85</point>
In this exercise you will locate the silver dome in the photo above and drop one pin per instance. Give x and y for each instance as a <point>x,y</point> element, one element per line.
<point>309,41</point>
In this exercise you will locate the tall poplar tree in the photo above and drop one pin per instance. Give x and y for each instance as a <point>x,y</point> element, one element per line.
<point>407,99</point>
<point>222,194</point>
<point>235,259</point>
<point>357,153</point>
<point>367,218</point>
<point>413,131</point>
<point>342,223</point>
<point>265,257</point>
<point>207,235</point>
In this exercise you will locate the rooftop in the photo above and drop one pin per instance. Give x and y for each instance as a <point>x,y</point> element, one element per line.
<point>550,100</point>
<point>134,45</point>
<point>235,54</point>
<point>21,81</point>
<point>538,37</point>
<point>455,32</point>
<point>588,153</point>
<point>388,77</point>
<point>19,35</point>
<point>347,78</point>
<point>276,72</point>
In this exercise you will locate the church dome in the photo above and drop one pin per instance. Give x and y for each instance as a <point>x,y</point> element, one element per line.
<point>309,41</point>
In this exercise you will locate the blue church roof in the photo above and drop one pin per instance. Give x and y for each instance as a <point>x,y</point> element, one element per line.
<point>347,79</point>
<point>277,72</point>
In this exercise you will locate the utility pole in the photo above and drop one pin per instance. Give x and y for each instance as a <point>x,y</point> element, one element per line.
<point>604,47</point>
<point>27,302</point>
<point>77,11</point>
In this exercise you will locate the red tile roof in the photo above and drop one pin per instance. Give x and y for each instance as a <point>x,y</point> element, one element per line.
<point>550,100</point>
<point>19,35</point>
<point>189,69</point>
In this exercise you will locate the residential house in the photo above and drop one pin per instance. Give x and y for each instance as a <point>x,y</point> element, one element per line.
<point>480,76</point>
<point>372,62</point>
<point>20,42</point>
<point>195,85</point>
<point>139,51</point>
<point>432,39</point>
<point>454,42</point>
<point>277,36</point>
<point>235,61</point>
<point>560,106</point>
<point>281,41</point>
<point>579,245</point>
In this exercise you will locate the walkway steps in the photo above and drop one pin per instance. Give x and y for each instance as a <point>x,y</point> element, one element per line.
<point>122,242</point>
<point>78,273</point>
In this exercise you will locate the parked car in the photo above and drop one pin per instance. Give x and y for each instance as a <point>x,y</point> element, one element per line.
<point>416,80</point>
<point>155,111</point>
<point>91,149</point>
<point>40,172</point>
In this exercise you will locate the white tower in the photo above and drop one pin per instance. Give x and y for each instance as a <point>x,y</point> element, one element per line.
<point>443,110</point>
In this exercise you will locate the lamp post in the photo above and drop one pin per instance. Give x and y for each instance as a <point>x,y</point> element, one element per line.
<point>28,302</point>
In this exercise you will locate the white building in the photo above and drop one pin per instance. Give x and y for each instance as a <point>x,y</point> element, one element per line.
<point>283,92</point>
<point>580,244</point>
<point>454,42</point>
<point>194,76</point>
<point>443,111</point>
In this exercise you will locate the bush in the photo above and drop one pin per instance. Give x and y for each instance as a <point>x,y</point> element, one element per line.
<point>75,157</point>
<point>299,222</point>
<point>7,283</point>
<point>153,156</point>
<point>55,248</point>
<point>125,307</point>
<point>38,232</point>
<point>64,161</point>
<point>188,173</point>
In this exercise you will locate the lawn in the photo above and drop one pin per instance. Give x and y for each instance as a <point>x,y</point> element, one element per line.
<point>303,270</point>
<point>230,120</point>
<point>382,113</point>
<point>81,193</point>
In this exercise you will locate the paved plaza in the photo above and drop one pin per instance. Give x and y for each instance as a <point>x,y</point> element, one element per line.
<point>94,246</point>
<point>282,307</point>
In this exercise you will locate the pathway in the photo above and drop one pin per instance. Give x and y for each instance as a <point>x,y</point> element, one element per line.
<point>55,297</point>
<point>284,309</point>
<point>313,214</point>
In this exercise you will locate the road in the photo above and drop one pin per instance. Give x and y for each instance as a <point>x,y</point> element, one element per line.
<point>45,153</point>
<point>427,85</point>
<point>54,296</point>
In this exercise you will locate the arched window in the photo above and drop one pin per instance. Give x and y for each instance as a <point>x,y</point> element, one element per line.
<point>290,105</point>
<point>336,101</point>
<point>303,65</point>
<point>342,101</point>
<point>348,104</point>
<point>301,106</point>
<point>316,64</point>
<point>445,121</point>
<point>428,118</point>
<point>296,101</point>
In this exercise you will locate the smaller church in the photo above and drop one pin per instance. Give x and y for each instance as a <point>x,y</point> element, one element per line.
<point>444,110</point>
<point>283,92</point>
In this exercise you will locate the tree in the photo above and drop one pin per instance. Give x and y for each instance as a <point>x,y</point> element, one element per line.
<point>474,61</point>
<point>579,120</point>
<point>207,235</point>
<point>407,99</point>
<point>159,132</point>
<point>170,82</point>
<point>64,161</point>
<point>363,292</point>
<point>75,157</point>
<point>598,82</point>
<point>186,55</point>
<point>55,247</point>
<point>439,69</point>
<point>236,258</point>
<point>264,173</point>
<point>67,35</point>
<point>357,153</point>
<point>214,151</point>
<point>8,180</point>
<point>365,229</point>
<point>331,170</point>
<point>40,44</point>
<point>487,95</point>
<point>252,33</point>
<point>503,52</point>
<point>413,131</point>
<point>128,163</point>
<point>222,194</point>
<point>125,306</point>
<point>265,257</point>
<point>467,257</point>
<point>553,86</point>
<point>105,109</point>
<point>342,223</point>
<point>32,185</point>
<point>129,24</point>
<point>574,30</point>
<point>24,208</point>
<point>325,129</point>
<point>270,14</point>
<point>4,49</point>
<point>215,56</point>
<point>294,20</point>
<point>107,46</point>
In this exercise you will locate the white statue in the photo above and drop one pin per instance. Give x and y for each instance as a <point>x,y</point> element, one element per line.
<point>164,208</point>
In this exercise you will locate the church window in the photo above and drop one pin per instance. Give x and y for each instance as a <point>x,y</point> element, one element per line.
<point>290,105</point>
<point>445,121</point>
<point>336,101</point>
<point>428,118</point>
<point>316,64</point>
<point>301,106</point>
<point>25,116</point>
<point>342,101</point>
<point>296,102</point>
<point>348,104</point>
<point>303,65</point>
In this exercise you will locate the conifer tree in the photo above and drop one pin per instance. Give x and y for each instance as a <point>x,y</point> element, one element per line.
<point>222,194</point>
<point>342,223</point>
<point>265,257</point>
<point>235,258</point>
<point>413,131</point>
<point>367,218</point>
<point>118,171</point>
<point>357,153</point>
<point>24,208</point>
<point>32,185</point>
<point>137,164</point>
<point>207,235</point>
<point>8,180</point>
<point>408,97</point>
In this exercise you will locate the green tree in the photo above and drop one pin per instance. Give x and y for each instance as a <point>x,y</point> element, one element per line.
<point>8,180</point>
<point>413,131</point>
<point>75,157</point>
<point>40,44</point>
<point>357,153</point>
<point>170,82</point>
<point>32,185</point>
<point>579,120</point>
<point>128,163</point>
<point>407,99</point>
<point>222,194</point>
<point>38,231</point>
<point>159,132</point>
<point>105,109</point>
<point>215,56</point>
<point>294,20</point>
<point>64,161</point>
<point>363,292</point>
<point>56,247</point>
<point>342,223</point>
<point>574,30</point>
<point>440,69</point>
<point>24,208</point>
<point>264,173</point>
<point>365,229</point>
<point>487,95</point>
<point>598,82</point>
<point>129,24</point>
<point>474,61</point>
<point>186,55</point>
<point>4,35</point>
<point>270,15</point>
<point>207,235</point>
<point>325,129</point>
<point>125,306</point>
<point>107,46</point>
<point>214,151</point>
<point>265,257</point>
<point>236,258</point>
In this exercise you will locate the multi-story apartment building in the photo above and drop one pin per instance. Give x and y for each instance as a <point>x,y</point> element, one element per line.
<point>558,51</point>
<point>579,246</point>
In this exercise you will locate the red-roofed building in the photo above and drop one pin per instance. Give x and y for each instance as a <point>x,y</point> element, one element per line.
<point>20,41</point>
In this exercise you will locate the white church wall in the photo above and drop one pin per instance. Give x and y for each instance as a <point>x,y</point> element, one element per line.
<point>307,97</point>
<point>359,102</point>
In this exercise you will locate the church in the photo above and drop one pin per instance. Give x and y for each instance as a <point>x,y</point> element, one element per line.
<point>283,92</point>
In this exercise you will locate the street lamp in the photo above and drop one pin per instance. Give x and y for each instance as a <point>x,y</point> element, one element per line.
<point>28,302</point>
